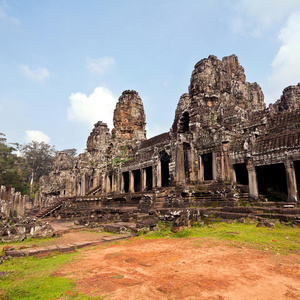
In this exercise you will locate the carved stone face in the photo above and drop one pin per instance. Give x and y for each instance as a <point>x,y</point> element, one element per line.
<point>129,117</point>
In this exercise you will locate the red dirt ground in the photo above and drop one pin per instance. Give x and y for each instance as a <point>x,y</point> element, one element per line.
<point>184,269</point>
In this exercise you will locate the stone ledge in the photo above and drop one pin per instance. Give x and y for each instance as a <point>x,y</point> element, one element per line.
<point>63,248</point>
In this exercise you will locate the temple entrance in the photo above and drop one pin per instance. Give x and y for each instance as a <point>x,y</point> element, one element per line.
<point>272,182</point>
<point>187,157</point>
<point>297,173</point>
<point>241,174</point>
<point>165,174</point>
<point>137,180</point>
<point>207,166</point>
<point>126,182</point>
<point>109,184</point>
<point>149,184</point>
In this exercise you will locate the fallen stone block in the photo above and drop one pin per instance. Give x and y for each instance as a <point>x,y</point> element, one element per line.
<point>14,253</point>
<point>265,224</point>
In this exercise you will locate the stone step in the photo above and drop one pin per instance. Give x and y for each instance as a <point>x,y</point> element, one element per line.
<point>63,248</point>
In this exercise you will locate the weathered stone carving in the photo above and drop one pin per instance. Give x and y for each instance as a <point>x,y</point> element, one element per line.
<point>129,118</point>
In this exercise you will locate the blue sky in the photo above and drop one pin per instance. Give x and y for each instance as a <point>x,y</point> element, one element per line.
<point>64,64</point>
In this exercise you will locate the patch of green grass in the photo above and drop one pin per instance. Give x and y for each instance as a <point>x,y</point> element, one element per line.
<point>186,232</point>
<point>163,230</point>
<point>118,276</point>
<point>280,239</point>
<point>29,278</point>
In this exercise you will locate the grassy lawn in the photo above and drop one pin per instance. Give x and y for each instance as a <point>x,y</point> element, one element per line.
<point>280,239</point>
<point>35,278</point>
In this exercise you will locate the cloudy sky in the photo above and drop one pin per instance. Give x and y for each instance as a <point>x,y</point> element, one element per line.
<point>64,64</point>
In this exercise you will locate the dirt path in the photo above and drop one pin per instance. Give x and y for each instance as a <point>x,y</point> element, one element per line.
<point>185,269</point>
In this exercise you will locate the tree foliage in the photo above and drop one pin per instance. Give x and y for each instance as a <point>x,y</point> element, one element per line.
<point>39,157</point>
<point>12,172</point>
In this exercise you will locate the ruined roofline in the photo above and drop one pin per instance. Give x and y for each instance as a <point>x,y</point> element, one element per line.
<point>160,138</point>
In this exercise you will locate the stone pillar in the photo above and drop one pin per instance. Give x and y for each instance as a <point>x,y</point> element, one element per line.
<point>253,186</point>
<point>225,162</point>
<point>291,180</point>
<point>214,166</point>
<point>122,190</point>
<point>143,179</point>
<point>180,176</point>
<point>158,174</point>
<point>68,187</point>
<point>232,174</point>
<point>154,179</point>
<point>222,175</point>
<point>131,182</point>
<point>104,181</point>
<point>200,169</point>
<point>193,164</point>
<point>108,189</point>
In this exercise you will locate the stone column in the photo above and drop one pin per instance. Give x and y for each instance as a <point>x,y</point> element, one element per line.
<point>180,176</point>
<point>226,169</point>
<point>232,174</point>
<point>122,190</point>
<point>158,173</point>
<point>193,164</point>
<point>108,186</point>
<point>200,169</point>
<point>131,182</point>
<point>214,166</point>
<point>104,181</point>
<point>253,186</point>
<point>143,179</point>
<point>291,180</point>
<point>154,180</point>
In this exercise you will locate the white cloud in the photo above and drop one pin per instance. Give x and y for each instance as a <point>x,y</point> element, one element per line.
<point>36,135</point>
<point>256,16</point>
<point>5,18</point>
<point>98,106</point>
<point>286,64</point>
<point>100,65</point>
<point>39,74</point>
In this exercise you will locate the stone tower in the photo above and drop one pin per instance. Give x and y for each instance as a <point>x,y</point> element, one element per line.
<point>129,118</point>
<point>219,92</point>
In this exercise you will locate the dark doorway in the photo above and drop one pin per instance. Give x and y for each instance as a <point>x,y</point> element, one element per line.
<point>110,183</point>
<point>148,178</point>
<point>187,157</point>
<point>241,173</point>
<point>126,182</point>
<point>207,166</point>
<point>184,123</point>
<point>165,174</point>
<point>272,181</point>
<point>137,180</point>
<point>297,172</point>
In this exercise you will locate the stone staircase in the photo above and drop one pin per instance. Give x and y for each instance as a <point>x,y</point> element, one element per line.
<point>48,210</point>
<point>181,205</point>
<point>94,190</point>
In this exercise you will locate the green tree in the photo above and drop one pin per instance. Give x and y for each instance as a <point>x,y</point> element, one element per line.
<point>39,157</point>
<point>11,166</point>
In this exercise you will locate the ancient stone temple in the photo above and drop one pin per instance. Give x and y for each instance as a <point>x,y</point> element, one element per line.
<point>223,138</point>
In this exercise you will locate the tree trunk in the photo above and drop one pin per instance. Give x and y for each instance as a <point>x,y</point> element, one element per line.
<point>31,183</point>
